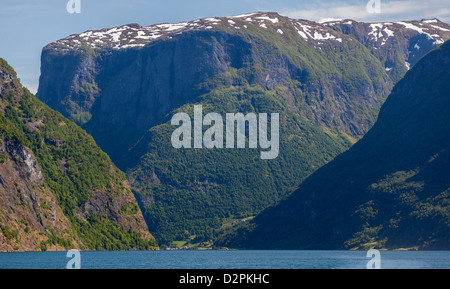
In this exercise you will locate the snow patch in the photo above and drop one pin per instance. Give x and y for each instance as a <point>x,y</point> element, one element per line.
<point>273,20</point>
<point>376,31</point>
<point>173,27</point>
<point>132,45</point>
<point>243,15</point>
<point>440,28</point>
<point>212,19</point>
<point>319,36</point>
<point>436,38</point>
<point>388,32</point>
<point>302,34</point>
<point>142,35</point>
<point>116,36</point>
<point>325,20</point>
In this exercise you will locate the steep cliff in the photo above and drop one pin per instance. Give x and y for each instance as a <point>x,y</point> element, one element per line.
<point>58,190</point>
<point>145,72</point>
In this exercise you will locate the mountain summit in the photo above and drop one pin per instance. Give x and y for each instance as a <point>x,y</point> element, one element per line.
<point>398,45</point>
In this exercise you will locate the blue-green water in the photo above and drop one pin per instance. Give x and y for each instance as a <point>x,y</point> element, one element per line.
<point>228,260</point>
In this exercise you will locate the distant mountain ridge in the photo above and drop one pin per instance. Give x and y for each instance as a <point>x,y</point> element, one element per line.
<point>134,35</point>
<point>398,45</point>
<point>123,85</point>
<point>410,40</point>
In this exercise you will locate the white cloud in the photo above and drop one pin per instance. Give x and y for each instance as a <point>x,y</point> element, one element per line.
<point>396,10</point>
<point>32,87</point>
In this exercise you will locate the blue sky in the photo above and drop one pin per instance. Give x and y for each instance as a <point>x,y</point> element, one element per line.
<point>26,26</point>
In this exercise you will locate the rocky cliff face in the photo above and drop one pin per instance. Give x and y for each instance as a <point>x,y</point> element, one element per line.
<point>44,203</point>
<point>123,84</point>
<point>30,215</point>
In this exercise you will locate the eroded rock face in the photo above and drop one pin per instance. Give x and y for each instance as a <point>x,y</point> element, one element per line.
<point>5,78</point>
<point>28,209</point>
<point>26,164</point>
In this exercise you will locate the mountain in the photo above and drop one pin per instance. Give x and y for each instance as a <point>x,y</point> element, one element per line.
<point>58,190</point>
<point>390,190</point>
<point>124,84</point>
<point>398,45</point>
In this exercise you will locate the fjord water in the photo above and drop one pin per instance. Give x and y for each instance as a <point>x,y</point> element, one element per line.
<point>228,260</point>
